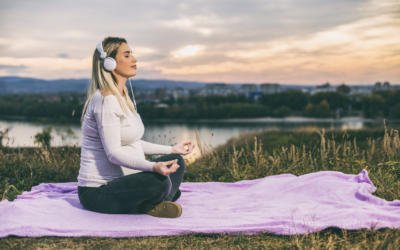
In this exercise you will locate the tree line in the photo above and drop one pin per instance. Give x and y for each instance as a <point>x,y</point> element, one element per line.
<point>289,103</point>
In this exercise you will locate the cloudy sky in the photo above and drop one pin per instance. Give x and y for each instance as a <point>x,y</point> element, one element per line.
<point>233,41</point>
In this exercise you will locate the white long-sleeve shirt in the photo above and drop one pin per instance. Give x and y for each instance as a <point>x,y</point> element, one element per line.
<point>111,145</point>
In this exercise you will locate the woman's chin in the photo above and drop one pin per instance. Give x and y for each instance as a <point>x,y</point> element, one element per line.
<point>131,75</point>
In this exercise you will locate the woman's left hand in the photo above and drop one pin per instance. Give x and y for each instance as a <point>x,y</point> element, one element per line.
<point>180,148</point>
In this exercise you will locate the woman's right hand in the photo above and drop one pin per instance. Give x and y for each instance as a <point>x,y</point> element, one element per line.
<point>161,167</point>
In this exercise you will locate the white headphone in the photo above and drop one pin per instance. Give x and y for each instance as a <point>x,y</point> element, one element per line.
<point>109,62</point>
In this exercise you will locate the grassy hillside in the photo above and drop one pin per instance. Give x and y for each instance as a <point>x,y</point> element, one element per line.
<point>264,154</point>
<point>276,139</point>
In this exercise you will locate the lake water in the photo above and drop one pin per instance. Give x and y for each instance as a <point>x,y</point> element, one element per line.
<point>166,132</point>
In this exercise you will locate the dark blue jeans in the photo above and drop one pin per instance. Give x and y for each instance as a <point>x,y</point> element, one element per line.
<point>126,193</point>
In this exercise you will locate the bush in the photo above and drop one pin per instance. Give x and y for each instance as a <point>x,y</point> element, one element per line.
<point>282,111</point>
<point>321,110</point>
<point>44,137</point>
<point>395,112</point>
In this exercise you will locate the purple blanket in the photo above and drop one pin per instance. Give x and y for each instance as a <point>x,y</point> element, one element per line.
<point>281,204</point>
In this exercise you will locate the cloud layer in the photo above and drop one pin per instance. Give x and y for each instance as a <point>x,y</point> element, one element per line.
<point>297,42</point>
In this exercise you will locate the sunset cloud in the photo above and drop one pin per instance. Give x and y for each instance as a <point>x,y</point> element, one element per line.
<point>189,50</point>
<point>296,42</point>
<point>45,66</point>
<point>346,49</point>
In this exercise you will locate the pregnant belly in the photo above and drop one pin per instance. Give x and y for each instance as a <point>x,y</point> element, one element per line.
<point>137,150</point>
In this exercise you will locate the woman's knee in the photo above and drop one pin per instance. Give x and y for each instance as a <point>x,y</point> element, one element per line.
<point>181,161</point>
<point>163,183</point>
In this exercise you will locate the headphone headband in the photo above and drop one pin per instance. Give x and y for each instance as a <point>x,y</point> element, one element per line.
<point>101,51</point>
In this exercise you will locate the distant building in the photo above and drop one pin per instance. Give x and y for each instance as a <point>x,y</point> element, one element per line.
<point>366,90</point>
<point>143,92</point>
<point>247,88</point>
<point>218,89</point>
<point>148,99</point>
<point>178,92</point>
<point>307,89</point>
<point>377,86</point>
<point>386,86</point>
<point>269,88</point>
<point>395,87</point>
<point>151,95</point>
<point>53,98</point>
<point>160,92</point>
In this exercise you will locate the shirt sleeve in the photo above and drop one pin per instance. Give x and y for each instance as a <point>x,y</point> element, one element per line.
<point>153,149</point>
<point>109,126</point>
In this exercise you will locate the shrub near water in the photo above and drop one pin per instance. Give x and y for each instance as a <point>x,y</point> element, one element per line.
<point>21,170</point>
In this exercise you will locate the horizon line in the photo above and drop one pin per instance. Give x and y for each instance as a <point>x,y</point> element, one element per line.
<point>163,79</point>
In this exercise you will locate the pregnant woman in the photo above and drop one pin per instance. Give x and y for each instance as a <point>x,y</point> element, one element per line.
<point>114,175</point>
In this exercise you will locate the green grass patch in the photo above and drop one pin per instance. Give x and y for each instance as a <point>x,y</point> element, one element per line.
<point>250,156</point>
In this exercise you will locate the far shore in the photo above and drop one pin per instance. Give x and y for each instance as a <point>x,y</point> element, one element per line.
<point>290,119</point>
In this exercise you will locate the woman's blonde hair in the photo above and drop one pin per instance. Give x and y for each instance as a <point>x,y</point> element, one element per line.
<point>105,80</point>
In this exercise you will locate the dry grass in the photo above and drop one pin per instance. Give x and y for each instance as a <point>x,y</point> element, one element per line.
<point>21,170</point>
<point>327,239</point>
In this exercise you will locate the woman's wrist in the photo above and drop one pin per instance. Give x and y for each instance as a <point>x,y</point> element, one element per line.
<point>154,166</point>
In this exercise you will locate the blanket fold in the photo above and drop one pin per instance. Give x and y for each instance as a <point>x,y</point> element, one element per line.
<point>281,204</point>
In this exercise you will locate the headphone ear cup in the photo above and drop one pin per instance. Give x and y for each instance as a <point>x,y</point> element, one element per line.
<point>110,63</point>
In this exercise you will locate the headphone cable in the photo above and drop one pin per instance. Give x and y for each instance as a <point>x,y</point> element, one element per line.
<point>132,94</point>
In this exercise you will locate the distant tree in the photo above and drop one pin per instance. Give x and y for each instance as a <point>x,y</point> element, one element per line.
<point>343,89</point>
<point>395,112</point>
<point>355,101</point>
<point>44,137</point>
<point>3,135</point>
<point>170,101</point>
<point>335,99</point>
<point>390,99</point>
<point>282,111</point>
<point>294,100</point>
<point>324,109</point>
<point>181,101</point>
<point>310,110</point>
<point>323,86</point>
<point>371,105</point>
<point>320,110</point>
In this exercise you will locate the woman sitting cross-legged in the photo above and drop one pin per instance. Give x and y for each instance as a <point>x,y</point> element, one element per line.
<point>114,175</point>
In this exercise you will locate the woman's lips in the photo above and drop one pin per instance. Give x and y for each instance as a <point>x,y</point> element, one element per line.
<point>134,67</point>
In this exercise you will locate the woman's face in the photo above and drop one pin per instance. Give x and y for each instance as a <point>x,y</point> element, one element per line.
<point>126,62</point>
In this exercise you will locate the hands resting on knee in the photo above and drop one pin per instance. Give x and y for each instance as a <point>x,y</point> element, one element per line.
<point>161,167</point>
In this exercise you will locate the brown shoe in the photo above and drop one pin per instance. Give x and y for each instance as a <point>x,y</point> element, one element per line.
<point>164,209</point>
